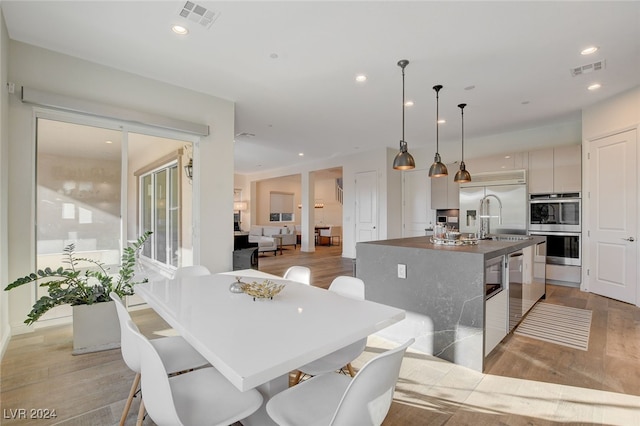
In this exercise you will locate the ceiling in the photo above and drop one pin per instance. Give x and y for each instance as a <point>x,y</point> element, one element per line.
<point>290,66</point>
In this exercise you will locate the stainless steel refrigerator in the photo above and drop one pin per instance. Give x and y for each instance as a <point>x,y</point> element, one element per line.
<point>510,187</point>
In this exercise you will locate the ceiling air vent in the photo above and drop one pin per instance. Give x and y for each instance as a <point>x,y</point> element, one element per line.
<point>585,69</point>
<point>199,14</point>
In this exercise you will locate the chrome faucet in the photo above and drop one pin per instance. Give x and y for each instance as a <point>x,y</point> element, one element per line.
<point>484,229</point>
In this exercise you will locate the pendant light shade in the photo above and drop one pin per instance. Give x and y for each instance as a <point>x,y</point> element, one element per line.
<point>462,175</point>
<point>438,168</point>
<point>403,160</point>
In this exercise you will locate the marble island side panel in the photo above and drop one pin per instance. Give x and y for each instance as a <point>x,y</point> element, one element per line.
<point>443,294</point>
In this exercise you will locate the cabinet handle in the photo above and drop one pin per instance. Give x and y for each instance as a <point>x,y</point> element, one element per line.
<point>629,239</point>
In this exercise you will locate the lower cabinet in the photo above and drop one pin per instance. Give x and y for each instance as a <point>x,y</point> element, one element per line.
<point>534,278</point>
<point>495,320</point>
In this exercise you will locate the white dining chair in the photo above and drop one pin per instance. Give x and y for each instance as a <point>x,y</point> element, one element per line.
<point>191,271</point>
<point>338,400</point>
<point>200,397</point>
<point>349,287</point>
<point>301,274</point>
<point>176,354</point>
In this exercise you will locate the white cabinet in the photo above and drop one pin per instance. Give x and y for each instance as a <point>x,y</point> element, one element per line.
<point>494,163</point>
<point>556,169</point>
<point>534,275</point>
<point>445,193</point>
<point>495,320</point>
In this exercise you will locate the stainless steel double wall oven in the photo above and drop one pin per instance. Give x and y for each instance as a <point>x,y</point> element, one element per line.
<point>558,217</point>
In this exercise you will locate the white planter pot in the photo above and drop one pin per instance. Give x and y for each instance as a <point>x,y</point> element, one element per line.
<point>95,328</point>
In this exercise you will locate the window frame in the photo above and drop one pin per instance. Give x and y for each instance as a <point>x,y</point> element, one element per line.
<point>166,163</point>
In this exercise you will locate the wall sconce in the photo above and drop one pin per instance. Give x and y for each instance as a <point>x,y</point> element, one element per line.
<point>318,204</point>
<point>188,169</point>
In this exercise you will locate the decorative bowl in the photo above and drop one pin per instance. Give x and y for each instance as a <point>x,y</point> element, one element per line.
<point>263,290</point>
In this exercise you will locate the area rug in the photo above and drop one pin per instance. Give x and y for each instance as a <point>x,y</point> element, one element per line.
<point>557,324</point>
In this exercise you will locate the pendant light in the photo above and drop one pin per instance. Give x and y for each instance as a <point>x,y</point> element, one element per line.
<point>462,175</point>
<point>403,160</point>
<point>437,169</point>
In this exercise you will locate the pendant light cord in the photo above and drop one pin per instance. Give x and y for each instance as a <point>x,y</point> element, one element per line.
<point>462,113</point>
<point>403,104</point>
<point>437,89</point>
<point>437,120</point>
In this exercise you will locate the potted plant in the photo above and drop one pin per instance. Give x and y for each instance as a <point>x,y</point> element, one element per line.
<point>87,290</point>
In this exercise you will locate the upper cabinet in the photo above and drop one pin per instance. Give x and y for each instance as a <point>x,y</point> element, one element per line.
<point>555,170</point>
<point>495,163</point>
<point>445,193</point>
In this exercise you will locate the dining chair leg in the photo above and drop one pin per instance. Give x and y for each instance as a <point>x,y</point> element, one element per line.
<point>141,412</point>
<point>352,373</point>
<point>132,392</point>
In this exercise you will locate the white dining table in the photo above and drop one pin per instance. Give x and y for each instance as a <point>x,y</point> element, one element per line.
<point>255,344</point>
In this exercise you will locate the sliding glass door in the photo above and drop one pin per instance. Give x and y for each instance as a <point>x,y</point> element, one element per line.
<point>100,188</point>
<point>78,175</point>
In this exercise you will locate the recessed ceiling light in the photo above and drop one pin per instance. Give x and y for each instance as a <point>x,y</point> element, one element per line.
<point>179,29</point>
<point>301,154</point>
<point>108,142</point>
<point>589,50</point>
<point>408,103</point>
<point>525,102</point>
<point>361,78</point>
<point>594,86</point>
<point>470,87</point>
<point>442,121</point>
<point>507,156</point>
<point>274,56</point>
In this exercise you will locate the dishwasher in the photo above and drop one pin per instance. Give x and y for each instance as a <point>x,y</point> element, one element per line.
<point>514,284</point>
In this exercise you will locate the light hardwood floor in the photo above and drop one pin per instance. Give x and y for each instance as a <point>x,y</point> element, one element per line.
<point>527,382</point>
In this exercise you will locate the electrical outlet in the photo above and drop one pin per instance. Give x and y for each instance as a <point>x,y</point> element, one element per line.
<point>402,271</point>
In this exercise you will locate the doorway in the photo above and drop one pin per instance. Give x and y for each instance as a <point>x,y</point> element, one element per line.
<point>612,184</point>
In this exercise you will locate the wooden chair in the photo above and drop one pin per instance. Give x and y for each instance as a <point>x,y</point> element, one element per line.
<point>332,233</point>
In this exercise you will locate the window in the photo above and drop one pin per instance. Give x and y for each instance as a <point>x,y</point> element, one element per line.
<point>160,211</point>
<point>281,207</point>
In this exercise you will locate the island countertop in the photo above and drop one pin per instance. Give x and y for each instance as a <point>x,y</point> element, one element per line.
<point>488,248</point>
<point>441,287</point>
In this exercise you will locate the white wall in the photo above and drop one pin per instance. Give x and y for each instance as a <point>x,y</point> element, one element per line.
<point>615,114</point>
<point>288,184</point>
<point>5,330</point>
<point>46,70</point>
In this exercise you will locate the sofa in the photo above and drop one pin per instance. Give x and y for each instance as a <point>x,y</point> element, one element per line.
<point>263,236</point>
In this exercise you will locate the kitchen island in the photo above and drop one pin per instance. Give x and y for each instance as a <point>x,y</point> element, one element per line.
<point>443,292</point>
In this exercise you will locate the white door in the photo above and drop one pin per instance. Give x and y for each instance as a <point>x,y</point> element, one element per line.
<point>366,206</point>
<point>417,213</point>
<point>612,201</point>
